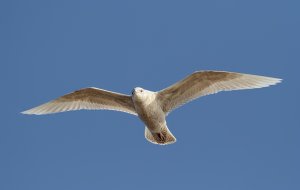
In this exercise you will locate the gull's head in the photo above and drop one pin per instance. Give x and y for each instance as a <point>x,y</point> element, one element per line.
<point>140,93</point>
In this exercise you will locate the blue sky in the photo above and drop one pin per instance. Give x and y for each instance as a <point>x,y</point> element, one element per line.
<point>234,140</point>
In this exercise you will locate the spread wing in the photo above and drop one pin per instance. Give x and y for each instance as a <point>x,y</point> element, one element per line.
<point>209,82</point>
<point>89,99</point>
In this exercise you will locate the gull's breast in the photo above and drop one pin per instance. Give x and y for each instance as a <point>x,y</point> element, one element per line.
<point>151,114</point>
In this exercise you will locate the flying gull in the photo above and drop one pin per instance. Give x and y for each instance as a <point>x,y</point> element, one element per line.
<point>153,107</point>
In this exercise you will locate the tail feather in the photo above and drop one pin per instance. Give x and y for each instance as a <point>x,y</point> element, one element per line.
<point>164,137</point>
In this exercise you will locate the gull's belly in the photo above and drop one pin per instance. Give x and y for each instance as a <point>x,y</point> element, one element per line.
<point>152,115</point>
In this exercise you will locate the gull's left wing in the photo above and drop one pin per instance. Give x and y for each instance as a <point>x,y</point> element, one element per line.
<point>203,83</point>
<point>89,99</point>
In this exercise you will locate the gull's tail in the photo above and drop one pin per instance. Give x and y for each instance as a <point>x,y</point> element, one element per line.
<point>164,137</point>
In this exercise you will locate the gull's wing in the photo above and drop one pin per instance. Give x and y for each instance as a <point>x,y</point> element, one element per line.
<point>209,82</point>
<point>89,99</point>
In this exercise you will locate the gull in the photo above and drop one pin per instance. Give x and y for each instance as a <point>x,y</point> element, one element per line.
<point>153,107</point>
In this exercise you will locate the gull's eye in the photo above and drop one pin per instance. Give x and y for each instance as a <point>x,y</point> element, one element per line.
<point>141,90</point>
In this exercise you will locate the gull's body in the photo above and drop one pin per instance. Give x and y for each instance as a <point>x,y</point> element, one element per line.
<point>153,107</point>
<point>150,111</point>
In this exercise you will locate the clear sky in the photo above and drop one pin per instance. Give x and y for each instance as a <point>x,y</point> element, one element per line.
<point>242,140</point>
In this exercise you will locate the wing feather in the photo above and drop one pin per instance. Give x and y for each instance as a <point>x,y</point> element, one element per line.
<point>203,83</point>
<point>89,99</point>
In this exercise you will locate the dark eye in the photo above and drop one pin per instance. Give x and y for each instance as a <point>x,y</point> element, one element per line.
<point>141,90</point>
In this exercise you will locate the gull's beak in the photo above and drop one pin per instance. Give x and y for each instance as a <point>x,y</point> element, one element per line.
<point>133,91</point>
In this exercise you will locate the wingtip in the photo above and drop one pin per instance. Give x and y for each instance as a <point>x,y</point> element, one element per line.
<point>26,112</point>
<point>276,81</point>
<point>280,80</point>
<point>30,112</point>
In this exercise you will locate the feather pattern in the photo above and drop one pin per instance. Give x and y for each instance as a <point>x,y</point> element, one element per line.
<point>203,83</point>
<point>89,99</point>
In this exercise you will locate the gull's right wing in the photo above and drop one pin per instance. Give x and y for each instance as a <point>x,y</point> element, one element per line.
<point>88,99</point>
